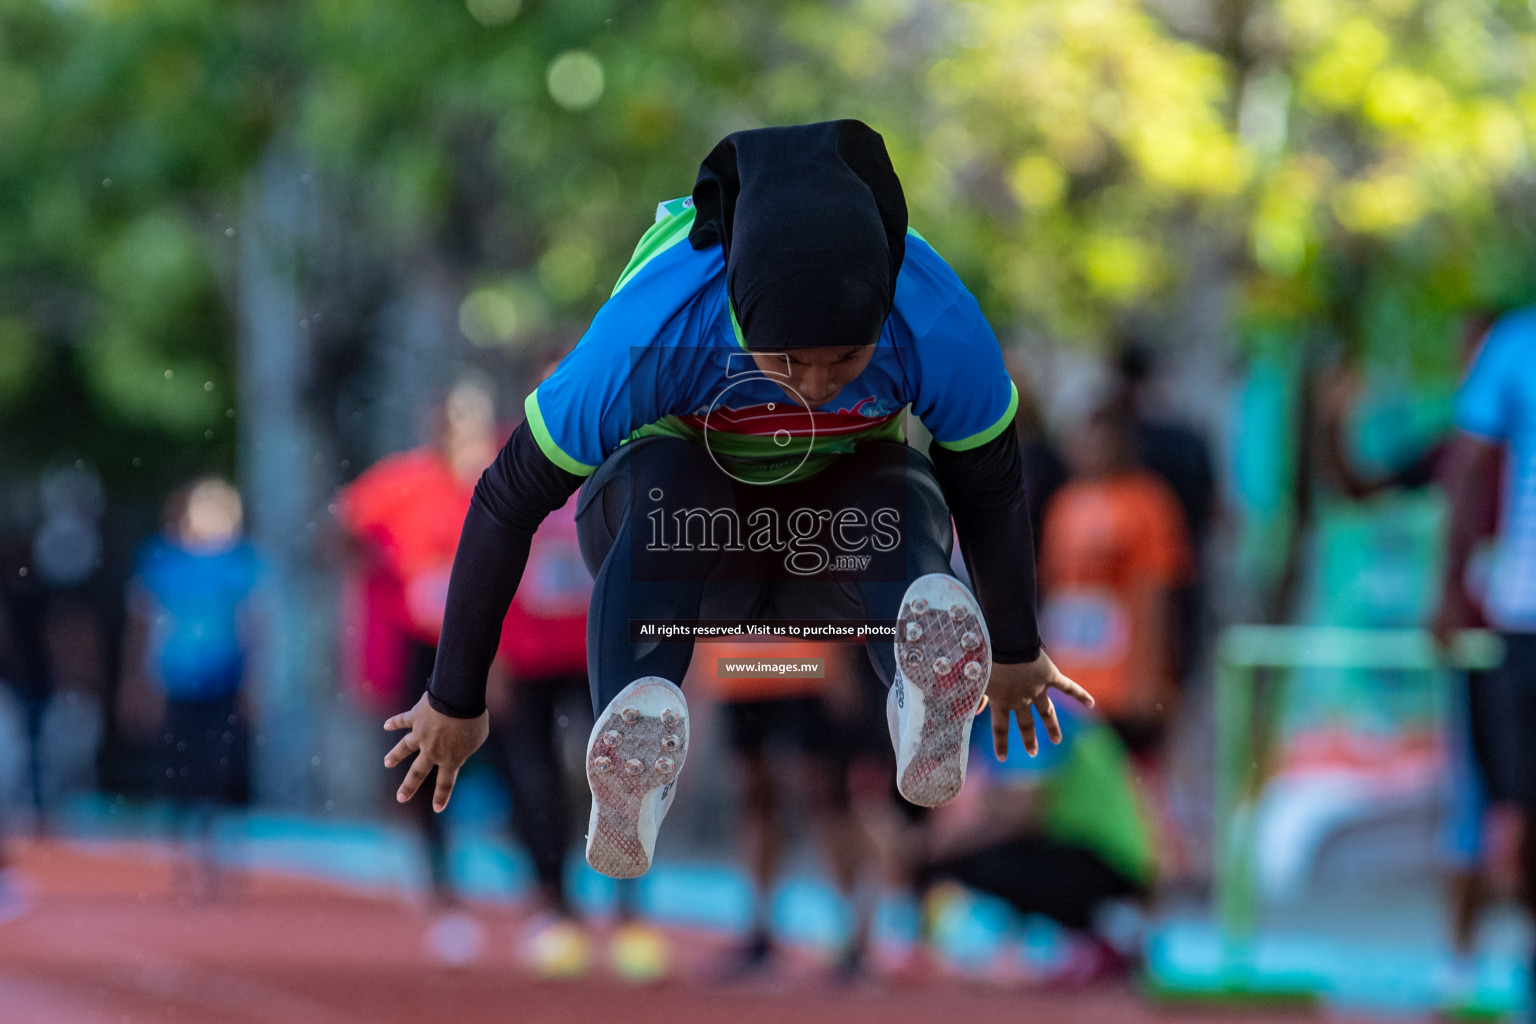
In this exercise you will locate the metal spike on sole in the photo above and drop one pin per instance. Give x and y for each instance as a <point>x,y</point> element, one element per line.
<point>931,767</point>
<point>648,722</point>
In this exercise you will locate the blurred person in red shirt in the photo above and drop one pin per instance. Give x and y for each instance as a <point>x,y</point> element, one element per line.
<point>1114,549</point>
<point>406,512</point>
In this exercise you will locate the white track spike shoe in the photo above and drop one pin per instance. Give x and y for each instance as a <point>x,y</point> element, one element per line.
<point>634,755</point>
<point>943,661</point>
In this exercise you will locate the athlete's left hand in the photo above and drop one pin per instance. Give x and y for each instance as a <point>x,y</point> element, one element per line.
<point>1017,688</point>
<point>438,741</point>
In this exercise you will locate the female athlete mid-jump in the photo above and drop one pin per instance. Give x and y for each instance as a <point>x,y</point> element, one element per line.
<point>734,420</point>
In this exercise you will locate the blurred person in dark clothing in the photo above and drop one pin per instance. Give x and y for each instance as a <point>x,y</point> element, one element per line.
<point>1044,469</point>
<point>781,727</point>
<point>1496,422</point>
<point>1175,451</point>
<point>12,656</point>
<point>1063,835</point>
<point>193,633</point>
<point>1339,395</point>
<point>28,667</point>
<point>1180,455</point>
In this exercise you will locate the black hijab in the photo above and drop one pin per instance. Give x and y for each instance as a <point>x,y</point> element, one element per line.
<point>813,225</point>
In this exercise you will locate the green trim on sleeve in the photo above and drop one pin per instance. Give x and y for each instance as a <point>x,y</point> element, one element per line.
<point>741,339</point>
<point>981,437</point>
<point>547,443</point>
<point>661,236</point>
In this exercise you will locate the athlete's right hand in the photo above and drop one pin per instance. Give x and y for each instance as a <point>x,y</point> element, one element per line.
<point>438,741</point>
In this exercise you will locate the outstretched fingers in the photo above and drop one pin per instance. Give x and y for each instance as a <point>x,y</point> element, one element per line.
<point>1048,716</point>
<point>420,769</point>
<point>999,731</point>
<point>446,777</point>
<point>407,746</point>
<point>1071,689</point>
<point>1026,722</point>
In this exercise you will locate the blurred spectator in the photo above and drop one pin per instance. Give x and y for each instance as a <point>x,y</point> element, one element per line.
<point>1062,834</point>
<point>866,820</point>
<point>1339,394</point>
<point>1463,845</point>
<point>778,728</point>
<point>405,512</point>
<point>1114,549</point>
<point>1044,470</point>
<point>1179,456</point>
<point>540,707</point>
<point>28,665</point>
<point>193,629</point>
<point>1496,414</point>
<point>11,904</point>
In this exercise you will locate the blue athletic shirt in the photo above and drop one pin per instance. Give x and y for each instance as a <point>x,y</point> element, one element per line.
<point>665,356</point>
<point>1498,402</point>
<point>196,650</point>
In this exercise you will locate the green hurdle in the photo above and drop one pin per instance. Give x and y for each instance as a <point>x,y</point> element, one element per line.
<point>1249,695</point>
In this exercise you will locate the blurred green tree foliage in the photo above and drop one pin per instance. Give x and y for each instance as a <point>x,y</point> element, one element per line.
<point>1360,167</point>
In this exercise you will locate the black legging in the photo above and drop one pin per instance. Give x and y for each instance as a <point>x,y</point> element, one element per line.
<point>1037,875</point>
<point>418,668</point>
<point>642,485</point>
<point>525,748</point>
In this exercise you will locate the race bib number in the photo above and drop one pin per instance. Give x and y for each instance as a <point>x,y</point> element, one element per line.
<point>426,597</point>
<point>1087,627</point>
<point>556,581</point>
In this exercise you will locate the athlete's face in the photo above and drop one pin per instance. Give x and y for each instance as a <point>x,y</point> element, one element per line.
<point>815,374</point>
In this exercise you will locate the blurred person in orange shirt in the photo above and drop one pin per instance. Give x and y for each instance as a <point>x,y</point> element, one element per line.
<point>1114,549</point>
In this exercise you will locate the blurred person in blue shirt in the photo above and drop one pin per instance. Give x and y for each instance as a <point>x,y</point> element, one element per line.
<point>1463,847</point>
<point>1496,419</point>
<point>1065,835</point>
<point>192,631</point>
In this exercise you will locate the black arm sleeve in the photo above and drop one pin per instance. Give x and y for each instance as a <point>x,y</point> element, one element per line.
<point>985,490</point>
<point>512,498</point>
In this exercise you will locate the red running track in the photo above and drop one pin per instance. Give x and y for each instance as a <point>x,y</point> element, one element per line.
<point>105,942</point>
